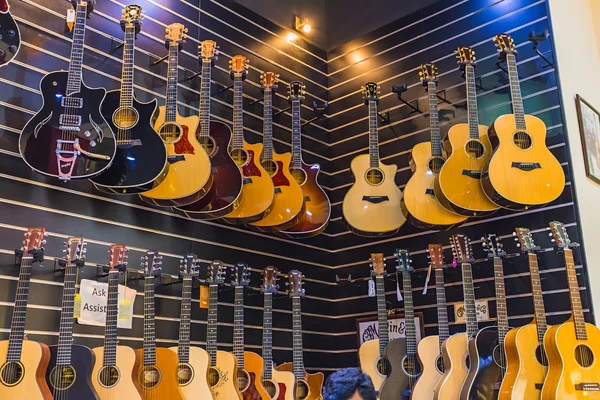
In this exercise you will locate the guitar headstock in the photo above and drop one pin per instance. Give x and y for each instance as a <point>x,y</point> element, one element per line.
<point>491,243</point>
<point>461,248</point>
<point>33,242</point>
<point>403,261</point>
<point>238,66</point>
<point>117,258</point>
<point>241,274</point>
<point>296,91</point>
<point>505,44</point>
<point>208,50</point>
<point>75,250</point>
<point>269,280</point>
<point>377,265</point>
<point>151,263</point>
<point>188,266</point>
<point>295,283</point>
<point>436,255</point>
<point>561,237</point>
<point>523,236</point>
<point>89,5</point>
<point>466,56</point>
<point>175,34</point>
<point>428,73</point>
<point>132,16</point>
<point>371,92</point>
<point>269,80</point>
<point>216,273</point>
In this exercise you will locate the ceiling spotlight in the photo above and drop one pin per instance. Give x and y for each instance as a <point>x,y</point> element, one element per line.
<point>291,36</point>
<point>302,24</point>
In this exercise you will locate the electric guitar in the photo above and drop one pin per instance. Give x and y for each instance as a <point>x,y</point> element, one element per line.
<point>288,202</point>
<point>250,365</point>
<point>420,206</point>
<point>527,363</point>
<point>9,32</point>
<point>372,205</point>
<point>215,137</point>
<point>69,372</point>
<point>112,374</point>
<point>280,385</point>
<point>315,216</point>
<point>308,386</point>
<point>455,349</point>
<point>573,348</point>
<point>485,378</point>
<point>193,361</point>
<point>458,185</point>
<point>69,138</point>
<point>222,373</point>
<point>23,363</point>
<point>189,178</point>
<point>522,172</point>
<point>155,376</point>
<point>429,350</point>
<point>140,162</point>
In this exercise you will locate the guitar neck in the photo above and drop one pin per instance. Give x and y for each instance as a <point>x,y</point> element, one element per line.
<point>296,135</point>
<point>65,338</point>
<point>381,314</point>
<point>77,50</point>
<point>238,326</point>
<point>297,335</point>
<point>204,109</point>
<point>183,350</point>
<point>469,292</point>
<point>442,306</point>
<point>578,316</point>
<point>110,332</point>
<point>211,324</point>
<point>373,135</point>
<point>149,329</point>
<point>501,311</point>
<point>17,328</point>
<point>128,66</point>
<point>472,113</point>
<point>409,315</point>
<point>538,298</point>
<point>267,151</point>
<point>267,350</point>
<point>172,75</point>
<point>515,91</point>
<point>238,113</point>
<point>434,121</point>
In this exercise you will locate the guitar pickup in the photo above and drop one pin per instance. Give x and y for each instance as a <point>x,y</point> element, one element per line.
<point>588,387</point>
<point>526,166</point>
<point>472,174</point>
<point>70,120</point>
<point>375,199</point>
<point>72,102</point>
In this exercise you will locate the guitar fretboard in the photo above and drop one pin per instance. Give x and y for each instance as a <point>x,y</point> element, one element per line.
<point>17,328</point>
<point>296,135</point>
<point>501,311</point>
<point>128,66</point>
<point>538,298</point>
<point>267,342</point>
<point>515,91</point>
<point>578,316</point>
<point>469,293</point>
<point>267,151</point>
<point>442,306</point>
<point>409,317</point>
<point>472,113</point>
<point>76,64</point>
<point>204,109</point>
<point>238,326</point>
<point>172,75</point>
<point>238,113</point>
<point>65,337</point>
<point>183,350</point>
<point>373,135</point>
<point>381,314</point>
<point>149,329</point>
<point>211,324</point>
<point>434,120</point>
<point>110,331</point>
<point>297,335</point>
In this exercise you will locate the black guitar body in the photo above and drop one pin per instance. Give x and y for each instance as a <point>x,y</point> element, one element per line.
<point>485,375</point>
<point>63,384</point>
<point>140,162</point>
<point>88,145</point>
<point>396,385</point>
<point>10,37</point>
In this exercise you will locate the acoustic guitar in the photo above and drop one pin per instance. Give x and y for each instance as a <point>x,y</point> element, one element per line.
<point>112,373</point>
<point>154,377</point>
<point>458,185</point>
<point>189,178</point>
<point>429,349</point>
<point>223,367</point>
<point>250,365</point>
<point>314,218</point>
<point>572,348</point>
<point>10,41</point>
<point>527,363</point>
<point>69,138</point>
<point>280,385</point>
<point>372,205</point>
<point>69,372</point>
<point>420,206</point>
<point>140,162</point>
<point>455,349</point>
<point>308,386</point>
<point>522,172</point>
<point>193,361</point>
<point>215,137</point>
<point>23,363</point>
<point>486,351</point>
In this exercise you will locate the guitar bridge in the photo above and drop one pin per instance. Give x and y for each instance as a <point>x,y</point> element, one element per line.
<point>66,158</point>
<point>588,387</point>
<point>523,166</point>
<point>472,174</point>
<point>375,199</point>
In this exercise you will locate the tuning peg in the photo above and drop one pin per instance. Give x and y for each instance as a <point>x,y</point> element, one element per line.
<point>550,234</point>
<point>552,240</point>
<point>167,29</point>
<point>518,244</point>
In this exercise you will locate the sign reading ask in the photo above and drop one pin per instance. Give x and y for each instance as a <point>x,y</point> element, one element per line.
<point>93,304</point>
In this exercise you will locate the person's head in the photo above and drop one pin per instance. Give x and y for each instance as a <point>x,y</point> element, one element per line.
<point>349,384</point>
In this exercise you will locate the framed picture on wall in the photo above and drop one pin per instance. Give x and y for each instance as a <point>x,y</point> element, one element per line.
<point>368,328</point>
<point>589,127</point>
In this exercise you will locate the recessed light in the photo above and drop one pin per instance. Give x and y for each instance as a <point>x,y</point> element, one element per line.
<point>291,36</point>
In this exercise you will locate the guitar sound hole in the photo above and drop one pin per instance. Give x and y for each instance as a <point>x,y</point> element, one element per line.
<point>149,377</point>
<point>170,132</point>
<point>109,376</point>
<point>185,374</point>
<point>213,377</point>
<point>374,176</point>
<point>270,388</point>
<point>302,389</point>
<point>435,164</point>
<point>499,357</point>
<point>270,166</point>
<point>299,175</point>
<point>439,363</point>
<point>12,373</point>
<point>522,140</point>
<point>474,148</point>
<point>125,117</point>
<point>239,156</point>
<point>208,143</point>
<point>584,356</point>
<point>468,361</point>
<point>540,355</point>
<point>411,366</point>
<point>384,367</point>
<point>243,380</point>
<point>62,377</point>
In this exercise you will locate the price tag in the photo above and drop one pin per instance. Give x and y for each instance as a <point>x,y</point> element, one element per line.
<point>70,19</point>
<point>372,292</point>
<point>203,296</point>
<point>77,306</point>
<point>124,309</point>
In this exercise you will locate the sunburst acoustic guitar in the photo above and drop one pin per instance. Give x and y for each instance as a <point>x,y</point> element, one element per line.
<point>372,205</point>
<point>522,172</point>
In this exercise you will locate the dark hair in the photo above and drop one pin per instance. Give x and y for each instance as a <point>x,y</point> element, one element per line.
<point>343,384</point>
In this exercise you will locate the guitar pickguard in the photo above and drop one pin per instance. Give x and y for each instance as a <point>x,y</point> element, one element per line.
<point>250,168</point>
<point>279,179</point>
<point>183,145</point>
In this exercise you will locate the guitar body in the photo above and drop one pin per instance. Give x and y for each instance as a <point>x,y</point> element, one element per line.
<point>82,362</point>
<point>566,373</point>
<point>430,359</point>
<point>224,194</point>
<point>485,375</point>
<point>373,210</point>
<point>288,202</point>
<point>308,389</point>
<point>249,381</point>
<point>38,140</point>
<point>315,217</point>
<point>368,355</point>
<point>517,178</point>
<point>396,385</point>
<point>32,385</point>
<point>458,185</point>
<point>419,204</point>
<point>9,32</point>
<point>140,162</point>
<point>166,386</point>
<point>198,364</point>
<point>257,191</point>
<point>189,178</point>
<point>123,387</point>
<point>222,377</point>
<point>281,387</point>
<point>513,364</point>
<point>456,353</point>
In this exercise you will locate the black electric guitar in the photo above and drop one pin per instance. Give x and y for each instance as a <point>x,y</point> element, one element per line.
<point>70,369</point>
<point>69,138</point>
<point>10,38</point>
<point>140,162</point>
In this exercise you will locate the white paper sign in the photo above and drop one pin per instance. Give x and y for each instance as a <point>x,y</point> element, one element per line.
<point>93,303</point>
<point>483,311</point>
<point>369,330</point>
